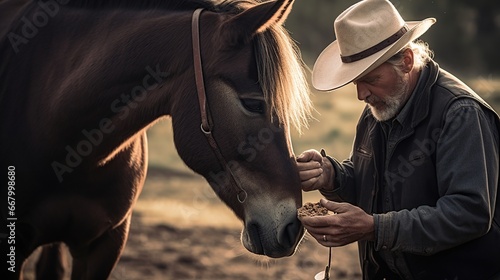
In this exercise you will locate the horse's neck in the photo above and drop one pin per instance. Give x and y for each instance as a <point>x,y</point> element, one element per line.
<point>112,71</point>
<point>122,55</point>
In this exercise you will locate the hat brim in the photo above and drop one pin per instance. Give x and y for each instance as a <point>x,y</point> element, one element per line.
<point>329,72</point>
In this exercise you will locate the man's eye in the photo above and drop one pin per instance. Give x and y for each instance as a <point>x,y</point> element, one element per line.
<point>372,80</point>
<point>254,105</point>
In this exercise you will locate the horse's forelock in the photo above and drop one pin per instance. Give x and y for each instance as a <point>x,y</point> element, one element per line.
<point>282,77</point>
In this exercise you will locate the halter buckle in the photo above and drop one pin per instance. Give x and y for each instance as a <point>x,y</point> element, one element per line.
<point>205,131</point>
<point>242,196</point>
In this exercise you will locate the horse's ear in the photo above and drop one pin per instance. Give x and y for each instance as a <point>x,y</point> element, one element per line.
<point>244,26</point>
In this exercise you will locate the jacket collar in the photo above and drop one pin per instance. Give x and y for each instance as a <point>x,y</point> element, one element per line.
<point>422,100</point>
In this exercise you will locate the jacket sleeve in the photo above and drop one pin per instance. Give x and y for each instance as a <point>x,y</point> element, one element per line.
<point>343,188</point>
<point>467,174</point>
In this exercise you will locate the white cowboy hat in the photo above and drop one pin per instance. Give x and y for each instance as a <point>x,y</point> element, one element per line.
<point>368,34</point>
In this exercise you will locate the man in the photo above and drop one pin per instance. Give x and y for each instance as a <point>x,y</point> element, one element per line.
<point>420,187</point>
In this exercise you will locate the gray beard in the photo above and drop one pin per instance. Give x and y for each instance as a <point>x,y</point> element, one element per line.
<point>384,109</point>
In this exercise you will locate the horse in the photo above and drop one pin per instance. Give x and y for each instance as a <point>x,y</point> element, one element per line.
<point>82,81</point>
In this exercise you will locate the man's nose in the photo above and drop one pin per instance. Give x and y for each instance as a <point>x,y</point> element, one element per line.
<point>363,91</point>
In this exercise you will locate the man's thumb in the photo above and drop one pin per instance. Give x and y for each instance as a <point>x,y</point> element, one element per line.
<point>304,157</point>
<point>333,206</point>
<point>307,155</point>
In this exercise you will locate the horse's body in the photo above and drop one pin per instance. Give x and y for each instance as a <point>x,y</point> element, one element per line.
<point>79,89</point>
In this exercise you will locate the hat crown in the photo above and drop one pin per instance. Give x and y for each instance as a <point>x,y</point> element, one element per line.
<point>365,25</point>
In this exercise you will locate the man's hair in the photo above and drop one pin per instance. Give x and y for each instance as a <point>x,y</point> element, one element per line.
<point>421,55</point>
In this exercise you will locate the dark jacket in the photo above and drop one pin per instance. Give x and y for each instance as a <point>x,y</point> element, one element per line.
<point>432,185</point>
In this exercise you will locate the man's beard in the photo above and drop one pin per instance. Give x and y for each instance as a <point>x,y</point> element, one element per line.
<point>386,108</point>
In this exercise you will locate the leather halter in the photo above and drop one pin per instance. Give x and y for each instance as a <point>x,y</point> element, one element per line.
<point>206,124</point>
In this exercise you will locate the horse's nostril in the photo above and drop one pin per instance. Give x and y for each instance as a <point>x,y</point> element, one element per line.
<point>289,233</point>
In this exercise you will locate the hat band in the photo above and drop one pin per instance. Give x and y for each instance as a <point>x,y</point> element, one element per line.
<point>378,47</point>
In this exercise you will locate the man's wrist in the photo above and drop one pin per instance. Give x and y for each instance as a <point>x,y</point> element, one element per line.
<point>370,235</point>
<point>330,183</point>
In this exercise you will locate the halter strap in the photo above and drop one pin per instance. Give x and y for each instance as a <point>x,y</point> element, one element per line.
<point>198,72</point>
<point>206,124</point>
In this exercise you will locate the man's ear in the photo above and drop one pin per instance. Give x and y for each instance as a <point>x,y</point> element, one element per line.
<point>240,29</point>
<point>408,61</point>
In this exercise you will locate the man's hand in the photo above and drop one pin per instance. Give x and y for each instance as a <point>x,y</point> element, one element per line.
<point>350,224</point>
<point>315,171</point>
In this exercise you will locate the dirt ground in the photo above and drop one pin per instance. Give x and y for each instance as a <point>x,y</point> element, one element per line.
<point>162,251</point>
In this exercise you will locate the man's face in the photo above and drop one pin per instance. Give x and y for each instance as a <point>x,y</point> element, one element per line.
<point>385,90</point>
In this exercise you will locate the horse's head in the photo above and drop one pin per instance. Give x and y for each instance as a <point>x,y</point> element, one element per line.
<point>255,89</point>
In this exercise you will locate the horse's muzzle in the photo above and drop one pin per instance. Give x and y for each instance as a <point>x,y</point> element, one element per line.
<point>274,238</point>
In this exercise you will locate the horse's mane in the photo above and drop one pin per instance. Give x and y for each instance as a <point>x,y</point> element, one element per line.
<point>282,76</point>
<point>281,69</point>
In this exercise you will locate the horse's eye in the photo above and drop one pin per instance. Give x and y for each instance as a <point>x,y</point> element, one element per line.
<point>254,105</point>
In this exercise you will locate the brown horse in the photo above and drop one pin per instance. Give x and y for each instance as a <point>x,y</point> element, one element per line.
<point>81,81</point>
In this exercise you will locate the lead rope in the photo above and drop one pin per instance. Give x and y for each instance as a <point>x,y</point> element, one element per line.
<point>325,275</point>
<point>206,126</point>
<point>327,269</point>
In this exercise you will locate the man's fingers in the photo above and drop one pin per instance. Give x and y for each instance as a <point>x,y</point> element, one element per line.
<point>308,165</point>
<point>309,185</point>
<point>315,223</point>
<point>309,174</point>
<point>331,240</point>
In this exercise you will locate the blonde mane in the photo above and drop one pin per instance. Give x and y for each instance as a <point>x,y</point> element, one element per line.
<point>282,77</point>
